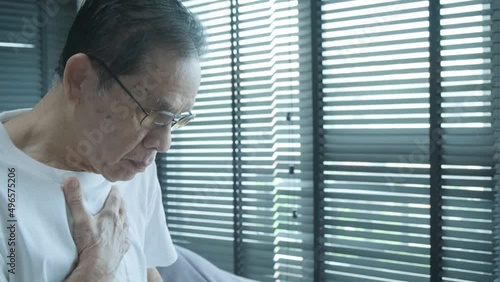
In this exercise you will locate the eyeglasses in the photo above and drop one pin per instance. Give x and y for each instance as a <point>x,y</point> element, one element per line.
<point>153,118</point>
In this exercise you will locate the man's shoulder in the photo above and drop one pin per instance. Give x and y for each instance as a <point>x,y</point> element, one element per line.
<point>7,115</point>
<point>5,141</point>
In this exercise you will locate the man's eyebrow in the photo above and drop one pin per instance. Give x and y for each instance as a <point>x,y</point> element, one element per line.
<point>163,105</point>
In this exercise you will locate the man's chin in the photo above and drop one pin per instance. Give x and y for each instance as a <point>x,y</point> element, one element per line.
<point>122,175</point>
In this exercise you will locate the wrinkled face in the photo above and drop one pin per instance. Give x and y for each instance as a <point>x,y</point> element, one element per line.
<point>111,140</point>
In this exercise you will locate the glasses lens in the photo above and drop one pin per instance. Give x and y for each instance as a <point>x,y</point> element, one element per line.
<point>183,121</point>
<point>156,119</point>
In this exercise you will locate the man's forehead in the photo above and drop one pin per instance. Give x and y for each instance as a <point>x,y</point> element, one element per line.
<point>171,99</point>
<point>170,83</point>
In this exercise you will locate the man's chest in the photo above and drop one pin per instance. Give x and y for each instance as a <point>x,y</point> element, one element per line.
<point>44,246</point>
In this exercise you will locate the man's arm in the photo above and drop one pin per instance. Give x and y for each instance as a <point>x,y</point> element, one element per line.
<point>154,275</point>
<point>101,240</point>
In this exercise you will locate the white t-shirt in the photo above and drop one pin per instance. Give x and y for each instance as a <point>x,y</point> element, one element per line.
<point>41,238</point>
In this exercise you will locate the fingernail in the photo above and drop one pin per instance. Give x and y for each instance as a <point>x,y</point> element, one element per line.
<point>72,182</point>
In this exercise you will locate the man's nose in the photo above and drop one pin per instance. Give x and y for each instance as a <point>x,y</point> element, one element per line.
<point>158,139</point>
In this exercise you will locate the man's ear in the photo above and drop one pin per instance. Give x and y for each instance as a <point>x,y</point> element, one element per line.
<point>79,78</point>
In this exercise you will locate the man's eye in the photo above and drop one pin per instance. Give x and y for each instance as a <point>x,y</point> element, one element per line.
<point>162,119</point>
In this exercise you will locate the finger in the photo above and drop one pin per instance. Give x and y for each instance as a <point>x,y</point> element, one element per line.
<point>123,205</point>
<point>122,213</point>
<point>74,200</point>
<point>113,202</point>
<point>125,228</point>
<point>124,247</point>
<point>123,209</point>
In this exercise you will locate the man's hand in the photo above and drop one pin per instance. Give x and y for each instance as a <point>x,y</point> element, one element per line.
<point>101,240</point>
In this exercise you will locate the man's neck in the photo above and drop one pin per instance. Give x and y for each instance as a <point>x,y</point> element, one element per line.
<point>43,132</point>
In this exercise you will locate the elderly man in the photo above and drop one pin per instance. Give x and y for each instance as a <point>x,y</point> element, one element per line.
<point>83,202</point>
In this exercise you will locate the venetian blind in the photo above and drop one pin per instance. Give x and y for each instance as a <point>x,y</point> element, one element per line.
<point>237,181</point>
<point>467,141</point>
<point>197,173</point>
<point>376,93</point>
<point>402,152</point>
<point>32,35</point>
<point>20,56</point>
<point>381,88</point>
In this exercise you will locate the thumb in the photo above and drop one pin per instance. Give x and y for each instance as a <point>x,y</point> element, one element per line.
<point>74,200</point>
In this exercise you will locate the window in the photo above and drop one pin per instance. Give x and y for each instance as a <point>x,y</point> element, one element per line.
<point>32,35</point>
<point>354,145</point>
